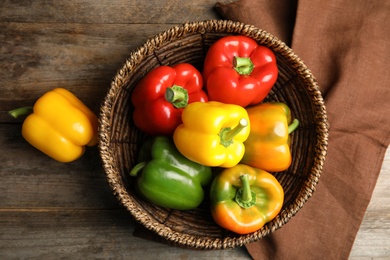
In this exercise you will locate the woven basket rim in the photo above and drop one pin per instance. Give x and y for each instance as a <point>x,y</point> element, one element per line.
<point>189,28</point>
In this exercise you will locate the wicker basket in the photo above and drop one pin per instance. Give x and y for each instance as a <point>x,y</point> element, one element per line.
<point>120,139</point>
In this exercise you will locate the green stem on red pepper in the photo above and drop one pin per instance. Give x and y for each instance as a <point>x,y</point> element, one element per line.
<point>243,65</point>
<point>177,95</point>
<point>227,134</point>
<point>237,70</point>
<point>245,197</point>
<point>153,114</point>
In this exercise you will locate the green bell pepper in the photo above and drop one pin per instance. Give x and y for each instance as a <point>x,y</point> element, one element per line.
<point>168,179</point>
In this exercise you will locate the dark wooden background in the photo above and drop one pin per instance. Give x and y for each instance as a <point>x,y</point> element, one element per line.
<point>53,210</point>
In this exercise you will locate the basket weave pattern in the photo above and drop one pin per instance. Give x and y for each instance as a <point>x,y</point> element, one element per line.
<point>120,140</point>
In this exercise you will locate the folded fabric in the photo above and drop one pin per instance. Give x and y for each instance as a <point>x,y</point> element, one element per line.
<point>346,45</point>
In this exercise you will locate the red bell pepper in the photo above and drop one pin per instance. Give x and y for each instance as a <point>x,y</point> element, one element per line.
<point>239,71</point>
<point>160,97</point>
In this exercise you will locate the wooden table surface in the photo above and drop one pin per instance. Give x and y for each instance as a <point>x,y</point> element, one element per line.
<point>53,210</point>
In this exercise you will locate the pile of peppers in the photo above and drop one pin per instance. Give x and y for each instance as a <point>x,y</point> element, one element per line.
<point>212,134</point>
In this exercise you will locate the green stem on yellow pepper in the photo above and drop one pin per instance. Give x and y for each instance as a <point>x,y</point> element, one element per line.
<point>245,197</point>
<point>21,111</point>
<point>177,95</point>
<point>227,134</point>
<point>244,66</point>
<point>293,126</point>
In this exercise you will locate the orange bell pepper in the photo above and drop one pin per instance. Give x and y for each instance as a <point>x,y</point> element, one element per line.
<point>267,146</point>
<point>244,198</point>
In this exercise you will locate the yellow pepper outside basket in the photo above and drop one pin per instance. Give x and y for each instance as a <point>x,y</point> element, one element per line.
<point>60,126</point>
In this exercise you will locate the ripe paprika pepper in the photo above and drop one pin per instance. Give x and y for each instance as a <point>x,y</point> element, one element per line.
<point>239,71</point>
<point>160,97</point>
<point>60,125</point>
<point>212,133</point>
<point>168,179</point>
<point>267,146</point>
<point>244,198</point>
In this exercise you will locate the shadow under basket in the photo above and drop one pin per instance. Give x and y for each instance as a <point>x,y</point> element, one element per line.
<point>120,140</point>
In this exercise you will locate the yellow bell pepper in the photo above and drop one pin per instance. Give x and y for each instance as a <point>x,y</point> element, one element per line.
<point>212,133</point>
<point>60,125</point>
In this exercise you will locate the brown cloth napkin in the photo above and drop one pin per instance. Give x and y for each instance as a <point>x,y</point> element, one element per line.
<point>346,44</point>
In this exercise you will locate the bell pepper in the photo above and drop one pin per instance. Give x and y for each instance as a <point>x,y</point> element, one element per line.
<point>239,71</point>
<point>160,97</point>
<point>59,124</point>
<point>267,146</point>
<point>168,179</point>
<point>212,133</point>
<point>243,198</point>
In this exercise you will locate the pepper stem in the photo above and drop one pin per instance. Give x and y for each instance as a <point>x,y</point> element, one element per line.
<point>177,95</point>
<point>245,197</point>
<point>21,111</point>
<point>137,168</point>
<point>243,65</point>
<point>227,134</point>
<point>293,126</point>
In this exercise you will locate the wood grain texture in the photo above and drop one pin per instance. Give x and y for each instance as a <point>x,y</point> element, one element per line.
<point>373,238</point>
<point>52,210</point>
<point>107,11</point>
<point>80,57</point>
